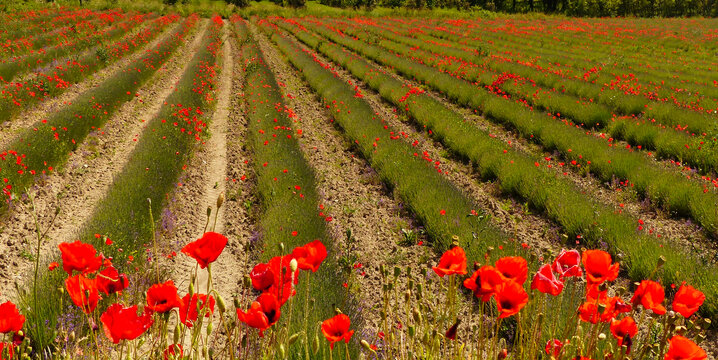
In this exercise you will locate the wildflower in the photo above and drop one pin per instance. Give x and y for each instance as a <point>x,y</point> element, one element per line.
<point>598,266</point>
<point>206,249</point>
<point>337,329</point>
<point>568,264</point>
<point>262,277</point>
<point>123,323</point>
<point>650,294</point>
<point>83,292</point>
<point>53,265</point>
<point>78,256</point>
<point>162,298</point>
<point>262,314</point>
<point>624,331</point>
<point>680,348</point>
<point>510,299</point>
<point>514,268</point>
<point>173,352</point>
<point>545,281</point>
<point>310,256</point>
<point>10,318</point>
<point>110,281</point>
<point>451,332</point>
<point>190,308</point>
<point>688,300</point>
<point>553,348</point>
<point>452,262</point>
<point>484,282</point>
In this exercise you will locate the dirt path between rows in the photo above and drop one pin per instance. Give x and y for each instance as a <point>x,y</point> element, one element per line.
<point>88,174</point>
<point>350,190</point>
<point>202,184</point>
<point>11,129</point>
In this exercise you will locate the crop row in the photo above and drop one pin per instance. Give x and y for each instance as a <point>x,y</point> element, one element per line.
<point>14,67</point>
<point>673,192</point>
<point>46,146</point>
<point>41,22</point>
<point>580,216</point>
<point>155,164</point>
<point>667,143</point>
<point>634,77</point>
<point>286,187</point>
<point>60,35</point>
<point>18,96</point>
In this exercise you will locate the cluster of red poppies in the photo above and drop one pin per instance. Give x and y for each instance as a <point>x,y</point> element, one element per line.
<point>504,282</point>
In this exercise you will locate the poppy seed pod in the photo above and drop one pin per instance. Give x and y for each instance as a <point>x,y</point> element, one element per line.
<point>176,335</point>
<point>408,271</point>
<point>407,295</point>
<point>397,272</point>
<point>424,272</point>
<point>220,200</point>
<point>455,240</point>
<point>661,261</point>
<point>601,336</point>
<point>293,265</point>
<point>706,323</point>
<point>700,338</point>
<point>247,281</point>
<point>293,339</point>
<point>236,302</point>
<point>209,211</point>
<point>412,331</point>
<point>417,315</point>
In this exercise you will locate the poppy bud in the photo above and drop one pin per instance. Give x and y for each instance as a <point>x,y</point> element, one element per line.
<point>315,344</point>
<point>423,272</point>
<point>437,342</point>
<point>601,308</point>
<point>237,305</point>
<point>281,247</point>
<point>382,270</point>
<point>244,341</point>
<point>425,339</point>
<point>407,295</point>
<point>680,330</point>
<point>71,338</point>
<point>205,352</point>
<point>209,211</point>
<point>417,315</point>
<point>661,261</point>
<point>247,282</point>
<point>220,200</point>
<point>282,351</point>
<point>177,333</point>
<point>397,272</point>
<point>419,292</point>
<point>412,331</point>
<point>209,327</point>
<point>601,336</point>
<point>411,284</point>
<point>366,346</point>
<point>220,304</point>
<point>503,353</point>
<point>293,339</point>
<point>603,287</point>
<point>408,271</point>
<point>620,291</point>
<point>293,265</point>
<point>191,289</point>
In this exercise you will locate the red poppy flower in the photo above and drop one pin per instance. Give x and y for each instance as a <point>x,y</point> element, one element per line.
<point>110,281</point>
<point>337,329</point>
<point>206,249</point>
<point>510,299</point>
<point>451,332</point>
<point>190,308</point>
<point>568,263</point>
<point>173,352</point>
<point>262,314</point>
<point>598,266</point>
<point>262,277</point>
<point>83,292</point>
<point>680,348</point>
<point>688,300</point>
<point>588,311</point>
<point>553,348</point>
<point>624,331</point>
<point>310,256</point>
<point>514,268</point>
<point>53,265</point>
<point>10,318</point>
<point>78,256</point>
<point>545,281</point>
<point>123,323</point>
<point>162,298</point>
<point>484,282</point>
<point>650,294</point>
<point>452,262</point>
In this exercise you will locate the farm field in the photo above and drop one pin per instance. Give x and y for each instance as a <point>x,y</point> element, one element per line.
<point>384,187</point>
